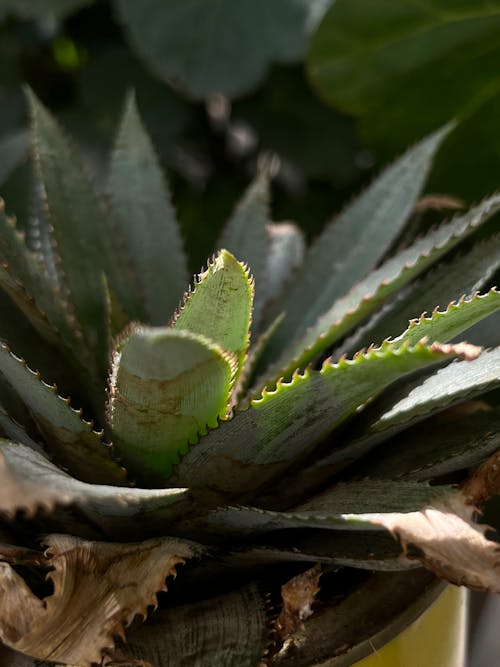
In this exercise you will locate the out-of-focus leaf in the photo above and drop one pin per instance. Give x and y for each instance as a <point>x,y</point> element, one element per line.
<point>108,584</point>
<point>30,482</point>
<point>230,630</point>
<point>146,217</point>
<point>284,426</point>
<point>220,305</point>
<point>354,242</point>
<point>104,81</point>
<point>13,148</point>
<point>386,63</point>
<point>315,138</point>
<point>286,254</point>
<point>218,46</point>
<point>166,388</point>
<point>41,9</point>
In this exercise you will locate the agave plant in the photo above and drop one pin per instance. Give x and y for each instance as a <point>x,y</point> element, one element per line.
<point>283,423</point>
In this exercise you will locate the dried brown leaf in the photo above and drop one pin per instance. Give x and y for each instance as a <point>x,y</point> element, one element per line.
<point>484,483</point>
<point>297,595</point>
<point>99,588</point>
<point>445,538</point>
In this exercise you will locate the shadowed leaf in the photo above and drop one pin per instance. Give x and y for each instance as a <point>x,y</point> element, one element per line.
<point>72,440</point>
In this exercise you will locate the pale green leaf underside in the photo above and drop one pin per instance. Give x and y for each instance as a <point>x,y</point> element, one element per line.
<point>71,440</point>
<point>245,235</point>
<point>29,482</point>
<point>146,219</point>
<point>220,305</point>
<point>285,425</point>
<point>368,295</point>
<point>166,388</point>
<point>356,240</point>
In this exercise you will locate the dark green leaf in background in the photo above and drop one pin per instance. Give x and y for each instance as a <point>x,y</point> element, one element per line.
<point>224,46</point>
<point>406,67</point>
<point>41,9</point>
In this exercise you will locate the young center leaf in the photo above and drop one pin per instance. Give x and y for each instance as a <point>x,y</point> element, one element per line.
<point>220,306</point>
<point>167,388</point>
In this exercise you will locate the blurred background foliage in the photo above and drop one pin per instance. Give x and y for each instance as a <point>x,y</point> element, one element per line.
<point>332,91</point>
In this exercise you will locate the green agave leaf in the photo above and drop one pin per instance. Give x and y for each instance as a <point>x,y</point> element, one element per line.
<point>413,402</point>
<point>328,509</point>
<point>422,453</point>
<point>456,382</point>
<point>86,242</point>
<point>245,235</point>
<point>166,388</point>
<point>446,325</point>
<point>355,242</point>
<point>462,275</point>
<point>370,293</point>
<point>24,302</point>
<point>29,482</point>
<point>230,630</point>
<point>220,305</point>
<point>72,440</point>
<point>33,292</point>
<point>232,47</point>
<point>285,425</point>
<point>147,220</point>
